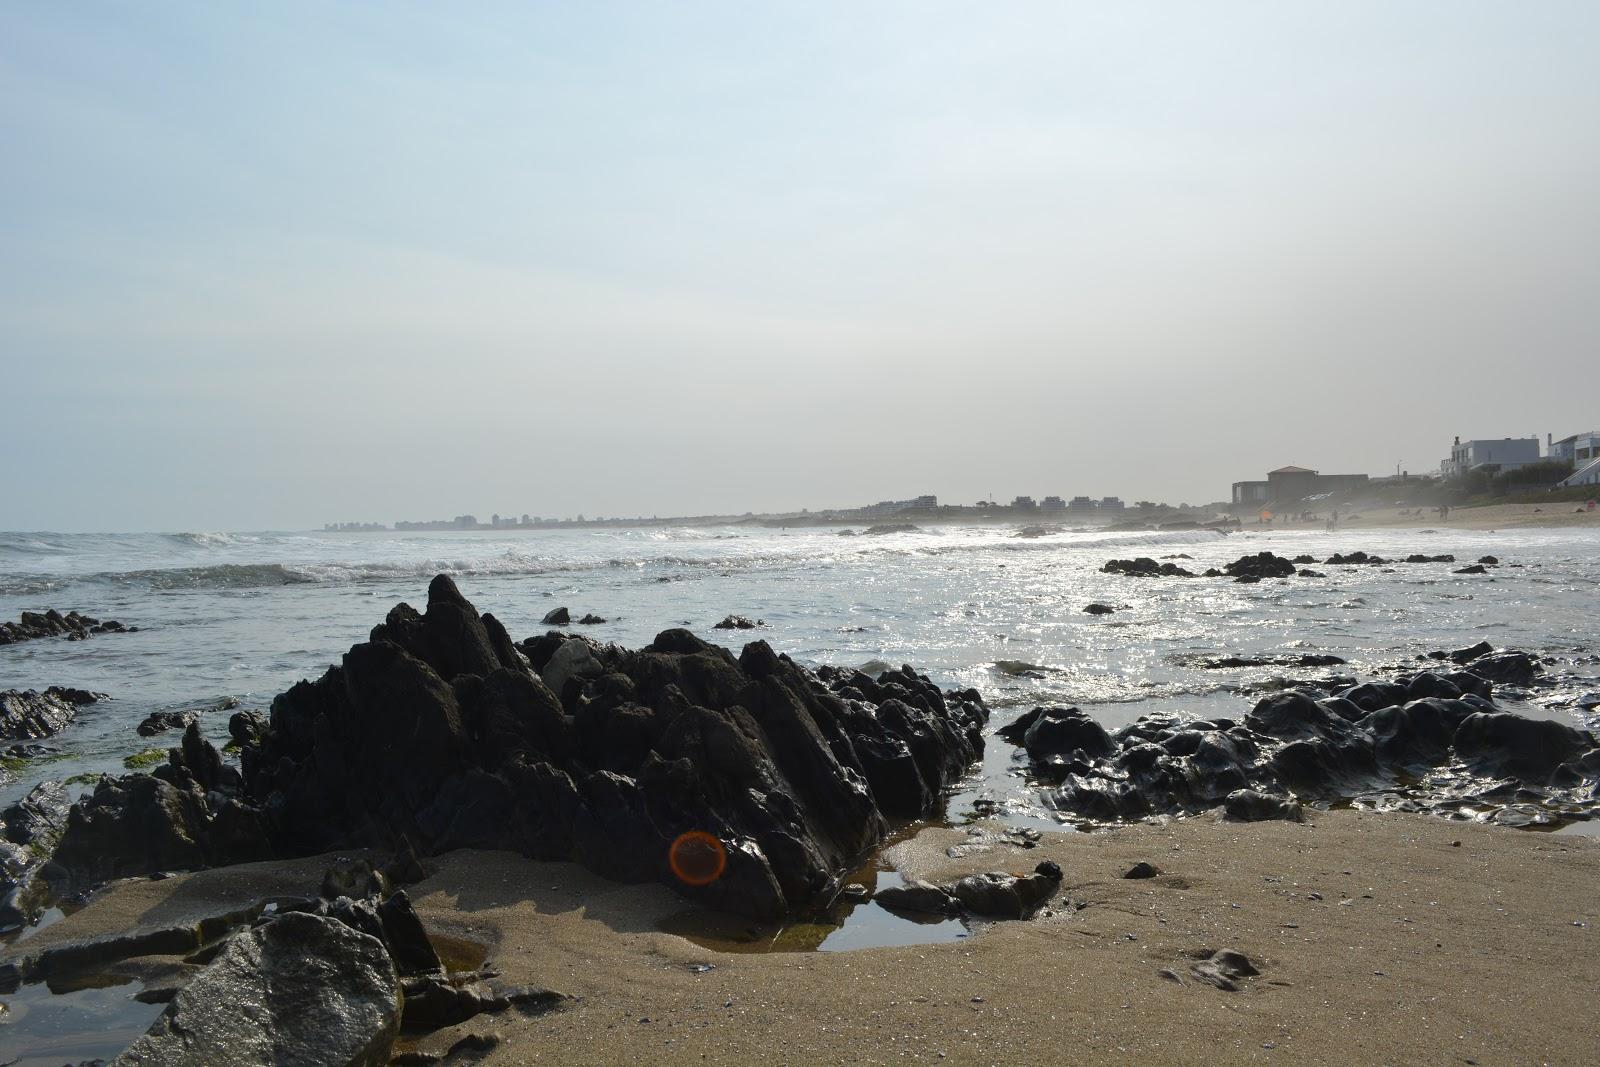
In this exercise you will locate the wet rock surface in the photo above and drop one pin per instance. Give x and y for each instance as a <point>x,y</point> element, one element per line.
<point>745,782</point>
<point>1145,567</point>
<point>27,715</point>
<point>29,828</point>
<point>737,622</point>
<point>318,992</point>
<point>161,721</point>
<point>1421,741</point>
<point>993,894</point>
<point>33,625</point>
<point>1253,568</point>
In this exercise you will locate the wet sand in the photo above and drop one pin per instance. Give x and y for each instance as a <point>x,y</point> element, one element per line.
<point>1378,938</point>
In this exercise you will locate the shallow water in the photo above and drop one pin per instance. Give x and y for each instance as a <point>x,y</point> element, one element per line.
<point>850,923</point>
<point>45,1026</point>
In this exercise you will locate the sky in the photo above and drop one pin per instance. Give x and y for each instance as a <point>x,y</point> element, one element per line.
<point>265,266</point>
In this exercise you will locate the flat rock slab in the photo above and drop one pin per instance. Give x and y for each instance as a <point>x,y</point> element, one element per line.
<point>300,991</point>
<point>142,906</point>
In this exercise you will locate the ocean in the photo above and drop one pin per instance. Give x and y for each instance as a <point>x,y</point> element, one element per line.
<point>227,617</point>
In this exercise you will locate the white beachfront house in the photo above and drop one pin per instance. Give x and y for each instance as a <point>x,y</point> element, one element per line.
<point>1577,450</point>
<point>1504,453</point>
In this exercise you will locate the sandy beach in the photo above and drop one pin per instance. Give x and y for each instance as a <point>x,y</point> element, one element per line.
<point>1380,939</point>
<point>1556,514</point>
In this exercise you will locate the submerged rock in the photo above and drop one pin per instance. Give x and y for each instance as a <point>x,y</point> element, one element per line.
<point>51,623</point>
<point>736,622</point>
<point>1260,565</point>
<point>299,991</point>
<point>1145,567</point>
<point>159,721</point>
<point>993,895</point>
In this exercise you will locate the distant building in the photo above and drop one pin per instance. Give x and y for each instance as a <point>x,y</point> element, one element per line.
<point>1025,503</point>
<point>1053,505</point>
<point>1111,503</point>
<point>1577,450</point>
<point>1501,453</point>
<point>1291,483</point>
<point>1082,505</point>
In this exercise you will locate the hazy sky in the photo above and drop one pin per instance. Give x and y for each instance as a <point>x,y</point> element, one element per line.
<point>271,265</point>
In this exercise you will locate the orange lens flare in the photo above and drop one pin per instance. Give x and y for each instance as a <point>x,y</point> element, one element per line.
<point>697,858</point>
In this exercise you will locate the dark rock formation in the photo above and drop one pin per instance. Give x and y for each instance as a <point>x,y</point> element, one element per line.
<point>737,622</point>
<point>994,894</point>
<point>1510,668</point>
<point>1099,609</point>
<point>1425,741</point>
<point>161,721</point>
<point>1142,870</point>
<point>319,994</point>
<point>557,617</point>
<point>1260,565</point>
<point>888,528</point>
<point>1471,568</point>
<point>1417,557</point>
<point>1252,805</point>
<point>26,715</point>
<point>28,830</point>
<point>1310,660</point>
<point>51,623</point>
<point>747,782</point>
<point>1145,567</point>
<point>1353,559</point>
<point>590,620</point>
<point>1489,561</point>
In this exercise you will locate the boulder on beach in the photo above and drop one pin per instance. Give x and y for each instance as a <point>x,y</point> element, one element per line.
<point>302,990</point>
<point>746,782</point>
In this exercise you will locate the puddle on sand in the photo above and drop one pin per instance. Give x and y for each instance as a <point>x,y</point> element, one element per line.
<point>457,953</point>
<point>88,1021</point>
<point>846,925</point>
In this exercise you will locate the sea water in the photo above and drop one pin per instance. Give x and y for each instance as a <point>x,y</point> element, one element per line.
<point>231,616</point>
